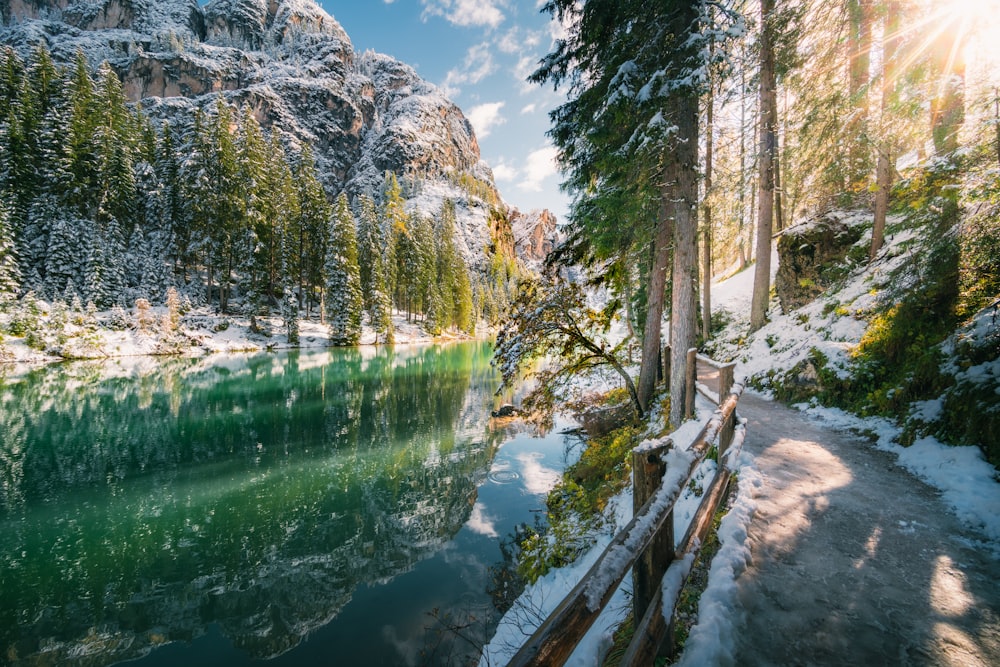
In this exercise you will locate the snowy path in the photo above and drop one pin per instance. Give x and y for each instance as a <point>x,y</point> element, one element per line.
<point>854,560</point>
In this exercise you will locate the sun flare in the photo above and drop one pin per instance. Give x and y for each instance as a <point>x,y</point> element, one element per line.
<point>968,21</point>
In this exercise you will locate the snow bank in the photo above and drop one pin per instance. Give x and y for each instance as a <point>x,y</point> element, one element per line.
<point>712,640</point>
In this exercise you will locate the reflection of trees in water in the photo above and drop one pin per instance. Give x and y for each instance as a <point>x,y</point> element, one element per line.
<point>255,495</point>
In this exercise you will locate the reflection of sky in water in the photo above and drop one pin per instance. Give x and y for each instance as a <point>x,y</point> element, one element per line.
<point>481,523</point>
<point>538,479</point>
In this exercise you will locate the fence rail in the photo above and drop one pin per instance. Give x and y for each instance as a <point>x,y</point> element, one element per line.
<point>646,546</point>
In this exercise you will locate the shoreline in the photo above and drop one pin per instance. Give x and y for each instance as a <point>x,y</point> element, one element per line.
<point>199,334</point>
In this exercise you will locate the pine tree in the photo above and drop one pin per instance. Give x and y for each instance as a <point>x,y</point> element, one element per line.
<point>395,227</point>
<point>173,213</point>
<point>62,265</point>
<point>250,258</point>
<point>10,271</point>
<point>280,211</point>
<point>343,277</point>
<point>116,140</point>
<point>312,229</point>
<point>629,137</point>
<point>765,160</point>
<point>290,314</point>
<point>79,164</point>
<point>372,270</point>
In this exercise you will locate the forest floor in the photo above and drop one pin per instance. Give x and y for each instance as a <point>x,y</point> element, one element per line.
<point>853,559</point>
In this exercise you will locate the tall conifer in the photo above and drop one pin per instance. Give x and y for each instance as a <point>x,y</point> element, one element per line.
<point>343,277</point>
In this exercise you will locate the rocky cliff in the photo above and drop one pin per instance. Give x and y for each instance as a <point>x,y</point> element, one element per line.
<point>535,234</point>
<point>293,65</point>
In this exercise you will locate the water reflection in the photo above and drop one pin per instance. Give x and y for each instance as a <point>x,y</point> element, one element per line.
<point>144,503</point>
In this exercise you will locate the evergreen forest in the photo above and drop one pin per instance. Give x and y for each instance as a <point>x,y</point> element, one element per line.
<point>696,133</point>
<point>101,206</point>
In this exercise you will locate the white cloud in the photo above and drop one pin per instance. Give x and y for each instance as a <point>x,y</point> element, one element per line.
<point>466,13</point>
<point>485,117</point>
<point>505,172</point>
<point>540,165</point>
<point>516,40</point>
<point>477,66</point>
<point>526,65</point>
<point>529,108</point>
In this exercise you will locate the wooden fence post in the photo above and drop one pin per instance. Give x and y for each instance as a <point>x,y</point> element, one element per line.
<point>726,380</point>
<point>692,372</point>
<point>647,474</point>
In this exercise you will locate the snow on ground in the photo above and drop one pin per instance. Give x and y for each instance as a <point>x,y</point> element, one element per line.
<point>712,640</point>
<point>834,324</point>
<point>201,333</point>
<point>831,325</point>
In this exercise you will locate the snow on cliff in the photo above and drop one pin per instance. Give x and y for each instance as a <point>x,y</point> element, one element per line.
<point>295,67</point>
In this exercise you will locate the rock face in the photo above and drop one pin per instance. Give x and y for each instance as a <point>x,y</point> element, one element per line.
<point>535,234</point>
<point>293,65</point>
<point>811,255</point>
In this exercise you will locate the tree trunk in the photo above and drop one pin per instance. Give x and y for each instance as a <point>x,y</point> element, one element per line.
<point>655,294</point>
<point>765,200</point>
<point>706,260</point>
<point>684,284</point>
<point>948,101</point>
<point>883,168</point>
<point>996,120</point>
<point>779,217</point>
<point>883,180</point>
<point>859,45</point>
<point>744,259</point>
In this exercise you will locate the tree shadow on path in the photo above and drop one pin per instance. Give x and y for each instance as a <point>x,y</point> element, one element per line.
<point>854,560</point>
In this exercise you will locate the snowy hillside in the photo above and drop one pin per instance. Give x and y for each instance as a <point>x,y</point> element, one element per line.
<point>295,68</point>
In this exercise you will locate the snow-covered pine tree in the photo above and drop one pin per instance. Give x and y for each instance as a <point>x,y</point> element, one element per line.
<point>113,282</point>
<point>173,217</point>
<point>10,271</point>
<point>343,277</point>
<point>313,228</point>
<point>78,164</point>
<point>395,226</point>
<point>116,137</point>
<point>62,259</point>
<point>372,265</point>
<point>251,267</point>
<point>437,313</point>
<point>33,241</point>
<point>424,260</point>
<point>629,134</point>
<point>280,210</point>
<point>135,265</point>
<point>290,315</point>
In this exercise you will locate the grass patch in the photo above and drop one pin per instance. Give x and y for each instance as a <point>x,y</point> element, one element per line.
<point>576,506</point>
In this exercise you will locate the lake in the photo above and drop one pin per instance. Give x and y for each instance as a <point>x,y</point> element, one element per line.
<point>325,507</point>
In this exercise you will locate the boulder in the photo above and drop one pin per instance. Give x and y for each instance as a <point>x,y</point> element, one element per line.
<point>506,410</point>
<point>811,256</point>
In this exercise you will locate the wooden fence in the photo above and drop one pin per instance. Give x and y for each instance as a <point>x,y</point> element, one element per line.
<point>646,546</point>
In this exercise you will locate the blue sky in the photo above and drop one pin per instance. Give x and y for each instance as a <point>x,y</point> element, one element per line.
<point>480,52</point>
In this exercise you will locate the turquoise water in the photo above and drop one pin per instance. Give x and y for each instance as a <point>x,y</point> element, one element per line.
<point>328,507</point>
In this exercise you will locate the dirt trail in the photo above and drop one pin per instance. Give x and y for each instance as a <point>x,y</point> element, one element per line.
<point>855,561</point>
